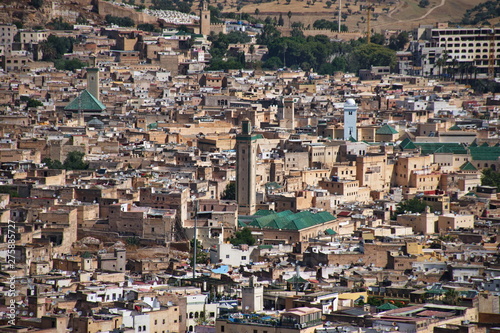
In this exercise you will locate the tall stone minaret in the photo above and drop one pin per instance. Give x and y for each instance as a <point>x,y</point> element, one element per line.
<point>204,19</point>
<point>246,155</point>
<point>350,119</point>
<point>93,81</point>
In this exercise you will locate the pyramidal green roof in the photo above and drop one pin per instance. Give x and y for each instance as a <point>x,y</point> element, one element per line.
<point>387,306</point>
<point>386,129</point>
<point>467,166</point>
<point>85,102</point>
<point>454,128</point>
<point>352,139</point>
<point>407,144</point>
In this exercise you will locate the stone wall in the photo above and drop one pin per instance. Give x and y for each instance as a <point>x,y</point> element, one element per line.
<point>106,8</point>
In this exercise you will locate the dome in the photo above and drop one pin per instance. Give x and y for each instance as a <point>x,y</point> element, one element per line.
<point>350,102</point>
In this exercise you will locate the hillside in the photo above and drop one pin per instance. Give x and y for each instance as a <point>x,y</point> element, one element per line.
<point>403,14</point>
<point>23,11</point>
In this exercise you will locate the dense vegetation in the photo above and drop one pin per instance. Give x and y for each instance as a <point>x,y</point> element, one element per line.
<point>244,236</point>
<point>55,47</point>
<point>482,12</point>
<point>69,64</point>
<point>329,25</point>
<point>229,192</point>
<point>59,24</point>
<point>120,21</point>
<point>182,6</point>
<point>219,50</point>
<point>414,205</point>
<point>490,178</point>
<point>321,54</point>
<point>36,3</point>
<point>74,161</point>
<point>313,52</point>
<point>147,27</point>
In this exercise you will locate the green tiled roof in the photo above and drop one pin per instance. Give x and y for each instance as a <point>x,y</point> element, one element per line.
<point>85,102</point>
<point>387,306</point>
<point>352,139</point>
<point>467,166</point>
<point>386,130</point>
<point>485,144</point>
<point>428,148</point>
<point>407,144</point>
<point>483,153</point>
<point>454,128</point>
<point>288,220</point>
<point>330,232</point>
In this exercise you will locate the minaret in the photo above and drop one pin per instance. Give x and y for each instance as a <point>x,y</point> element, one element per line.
<point>288,114</point>
<point>350,119</point>
<point>246,152</point>
<point>93,81</point>
<point>204,19</point>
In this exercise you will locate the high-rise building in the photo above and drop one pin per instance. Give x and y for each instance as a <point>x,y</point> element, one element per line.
<point>350,119</point>
<point>246,152</point>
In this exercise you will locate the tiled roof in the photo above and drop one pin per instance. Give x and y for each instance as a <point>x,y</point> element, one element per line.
<point>288,220</point>
<point>467,166</point>
<point>428,148</point>
<point>386,130</point>
<point>85,102</point>
<point>407,144</point>
<point>483,153</point>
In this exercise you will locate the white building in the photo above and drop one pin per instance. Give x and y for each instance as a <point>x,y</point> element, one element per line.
<point>350,119</point>
<point>228,254</point>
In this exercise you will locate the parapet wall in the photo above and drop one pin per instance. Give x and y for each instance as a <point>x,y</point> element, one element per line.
<point>107,8</point>
<point>329,33</point>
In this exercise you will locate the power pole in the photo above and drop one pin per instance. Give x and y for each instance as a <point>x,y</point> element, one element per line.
<point>194,237</point>
<point>340,12</point>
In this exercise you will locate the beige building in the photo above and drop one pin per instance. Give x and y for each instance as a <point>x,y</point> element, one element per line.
<point>374,171</point>
<point>421,223</point>
<point>447,222</point>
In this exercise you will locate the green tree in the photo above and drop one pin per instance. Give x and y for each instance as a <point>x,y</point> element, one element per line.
<point>491,178</point>
<point>69,64</point>
<point>33,103</point>
<point>328,4</point>
<point>423,3</point>
<point>52,164</point>
<point>244,236</point>
<point>399,42</point>
<point>59,24</point>
<point>36,3</point>
<point>367,55</point>
<point>74,161</point>
<point>120,21</point>
<point>147,27</point>
<point>230,192</point>
<point>201,256</point>
<point>257,11</point>
<point>281,22</point>
<point>414,205</point>
<point>55,47</point>
<point>451,297</point>
<point>81,20</point>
